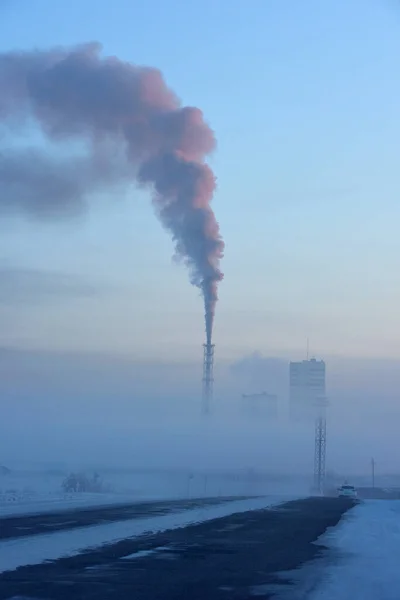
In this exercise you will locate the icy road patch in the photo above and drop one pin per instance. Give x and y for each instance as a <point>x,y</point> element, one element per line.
<point>39,548</point>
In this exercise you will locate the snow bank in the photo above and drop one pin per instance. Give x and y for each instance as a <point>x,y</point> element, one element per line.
<point>31,505</point>
<point>367,546</point>
<point>39,548</point>
<point>40,492</point>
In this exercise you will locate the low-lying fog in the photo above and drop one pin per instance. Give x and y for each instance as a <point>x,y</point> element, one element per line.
<point>87,410</point>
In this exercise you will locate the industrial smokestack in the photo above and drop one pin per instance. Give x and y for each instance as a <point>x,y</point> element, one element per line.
<point>119,123</point>
<point>208,377</point>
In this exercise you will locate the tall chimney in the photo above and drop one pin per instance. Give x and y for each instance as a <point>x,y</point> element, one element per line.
<point>208,377</point>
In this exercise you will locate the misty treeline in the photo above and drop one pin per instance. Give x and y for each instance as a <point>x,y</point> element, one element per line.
<point>80,482</point>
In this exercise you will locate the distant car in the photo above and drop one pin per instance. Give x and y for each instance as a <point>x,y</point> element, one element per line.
<point>347,490</point>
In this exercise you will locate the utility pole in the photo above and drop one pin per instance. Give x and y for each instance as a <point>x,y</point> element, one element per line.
<point>189,480</point>
<point>320,452</point>
<point>320,445</point>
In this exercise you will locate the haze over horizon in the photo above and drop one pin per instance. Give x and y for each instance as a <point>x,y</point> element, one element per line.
<point>304,102</point>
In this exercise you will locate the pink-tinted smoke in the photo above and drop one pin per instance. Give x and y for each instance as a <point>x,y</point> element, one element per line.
<point>133,127</point>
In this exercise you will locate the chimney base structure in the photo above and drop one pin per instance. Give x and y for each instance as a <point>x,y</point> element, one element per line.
<point>208,377</point>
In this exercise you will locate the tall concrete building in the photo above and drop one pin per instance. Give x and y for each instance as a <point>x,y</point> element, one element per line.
<point>306,388</point>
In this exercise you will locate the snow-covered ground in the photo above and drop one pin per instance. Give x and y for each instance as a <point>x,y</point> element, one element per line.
<point>39,548</point>
<point>39,492</point>
<point>366,551</point>
<point>55,502</point>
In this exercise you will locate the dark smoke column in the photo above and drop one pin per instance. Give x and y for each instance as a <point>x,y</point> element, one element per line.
<point>128,126</point>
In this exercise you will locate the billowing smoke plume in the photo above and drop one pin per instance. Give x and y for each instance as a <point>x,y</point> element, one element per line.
<point>117,123</point>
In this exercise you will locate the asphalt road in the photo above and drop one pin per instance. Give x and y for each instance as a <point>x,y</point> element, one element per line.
<point>235,557</point>
<point>25,525</point>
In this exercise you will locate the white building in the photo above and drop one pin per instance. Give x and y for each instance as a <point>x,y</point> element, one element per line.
<point>306,388</point>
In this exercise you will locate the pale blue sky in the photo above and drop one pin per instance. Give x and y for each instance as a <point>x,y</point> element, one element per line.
<point>304,100</point>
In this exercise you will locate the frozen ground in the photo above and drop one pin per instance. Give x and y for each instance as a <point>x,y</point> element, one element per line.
<point>41,492</point>
<point>235,556</point>
<point>39,548</point>
<point>22,504</point>
<point>366,550</point>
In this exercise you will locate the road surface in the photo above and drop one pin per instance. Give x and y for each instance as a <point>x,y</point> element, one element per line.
<point>25,525</point>
<point>234,557</point>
